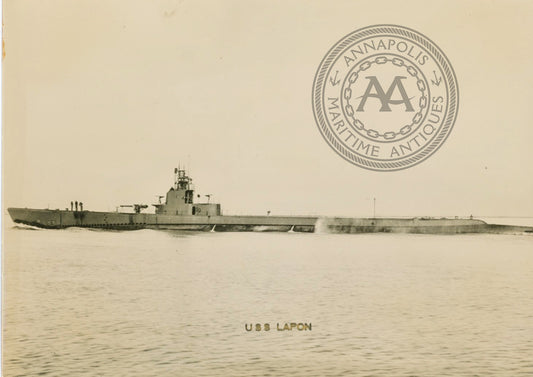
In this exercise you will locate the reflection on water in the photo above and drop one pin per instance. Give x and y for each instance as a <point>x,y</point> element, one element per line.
<point>152,303</point>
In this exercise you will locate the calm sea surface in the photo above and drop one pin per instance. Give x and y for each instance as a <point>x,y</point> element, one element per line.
<point>79,302</point>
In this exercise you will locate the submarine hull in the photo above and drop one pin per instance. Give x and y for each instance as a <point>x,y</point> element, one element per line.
<point>58,219</point>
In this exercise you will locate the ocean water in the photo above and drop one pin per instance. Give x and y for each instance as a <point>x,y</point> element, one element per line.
<point>81,302</point>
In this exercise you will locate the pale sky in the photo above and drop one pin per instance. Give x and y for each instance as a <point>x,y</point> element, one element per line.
<point>102,99</point>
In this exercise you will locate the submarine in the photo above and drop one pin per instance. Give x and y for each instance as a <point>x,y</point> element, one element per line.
<point>181,212</point>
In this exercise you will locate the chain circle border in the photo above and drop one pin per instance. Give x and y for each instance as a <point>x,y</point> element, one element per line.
<point>353,121</point>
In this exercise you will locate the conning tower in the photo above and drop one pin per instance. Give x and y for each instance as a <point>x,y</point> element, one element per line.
<point>180,199</point>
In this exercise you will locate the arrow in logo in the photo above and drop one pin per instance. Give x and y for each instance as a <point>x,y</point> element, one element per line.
<point>334,80</point>
<point>437,80</point>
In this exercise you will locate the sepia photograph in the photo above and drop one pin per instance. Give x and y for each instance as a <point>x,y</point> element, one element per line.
<point>267,188</point>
